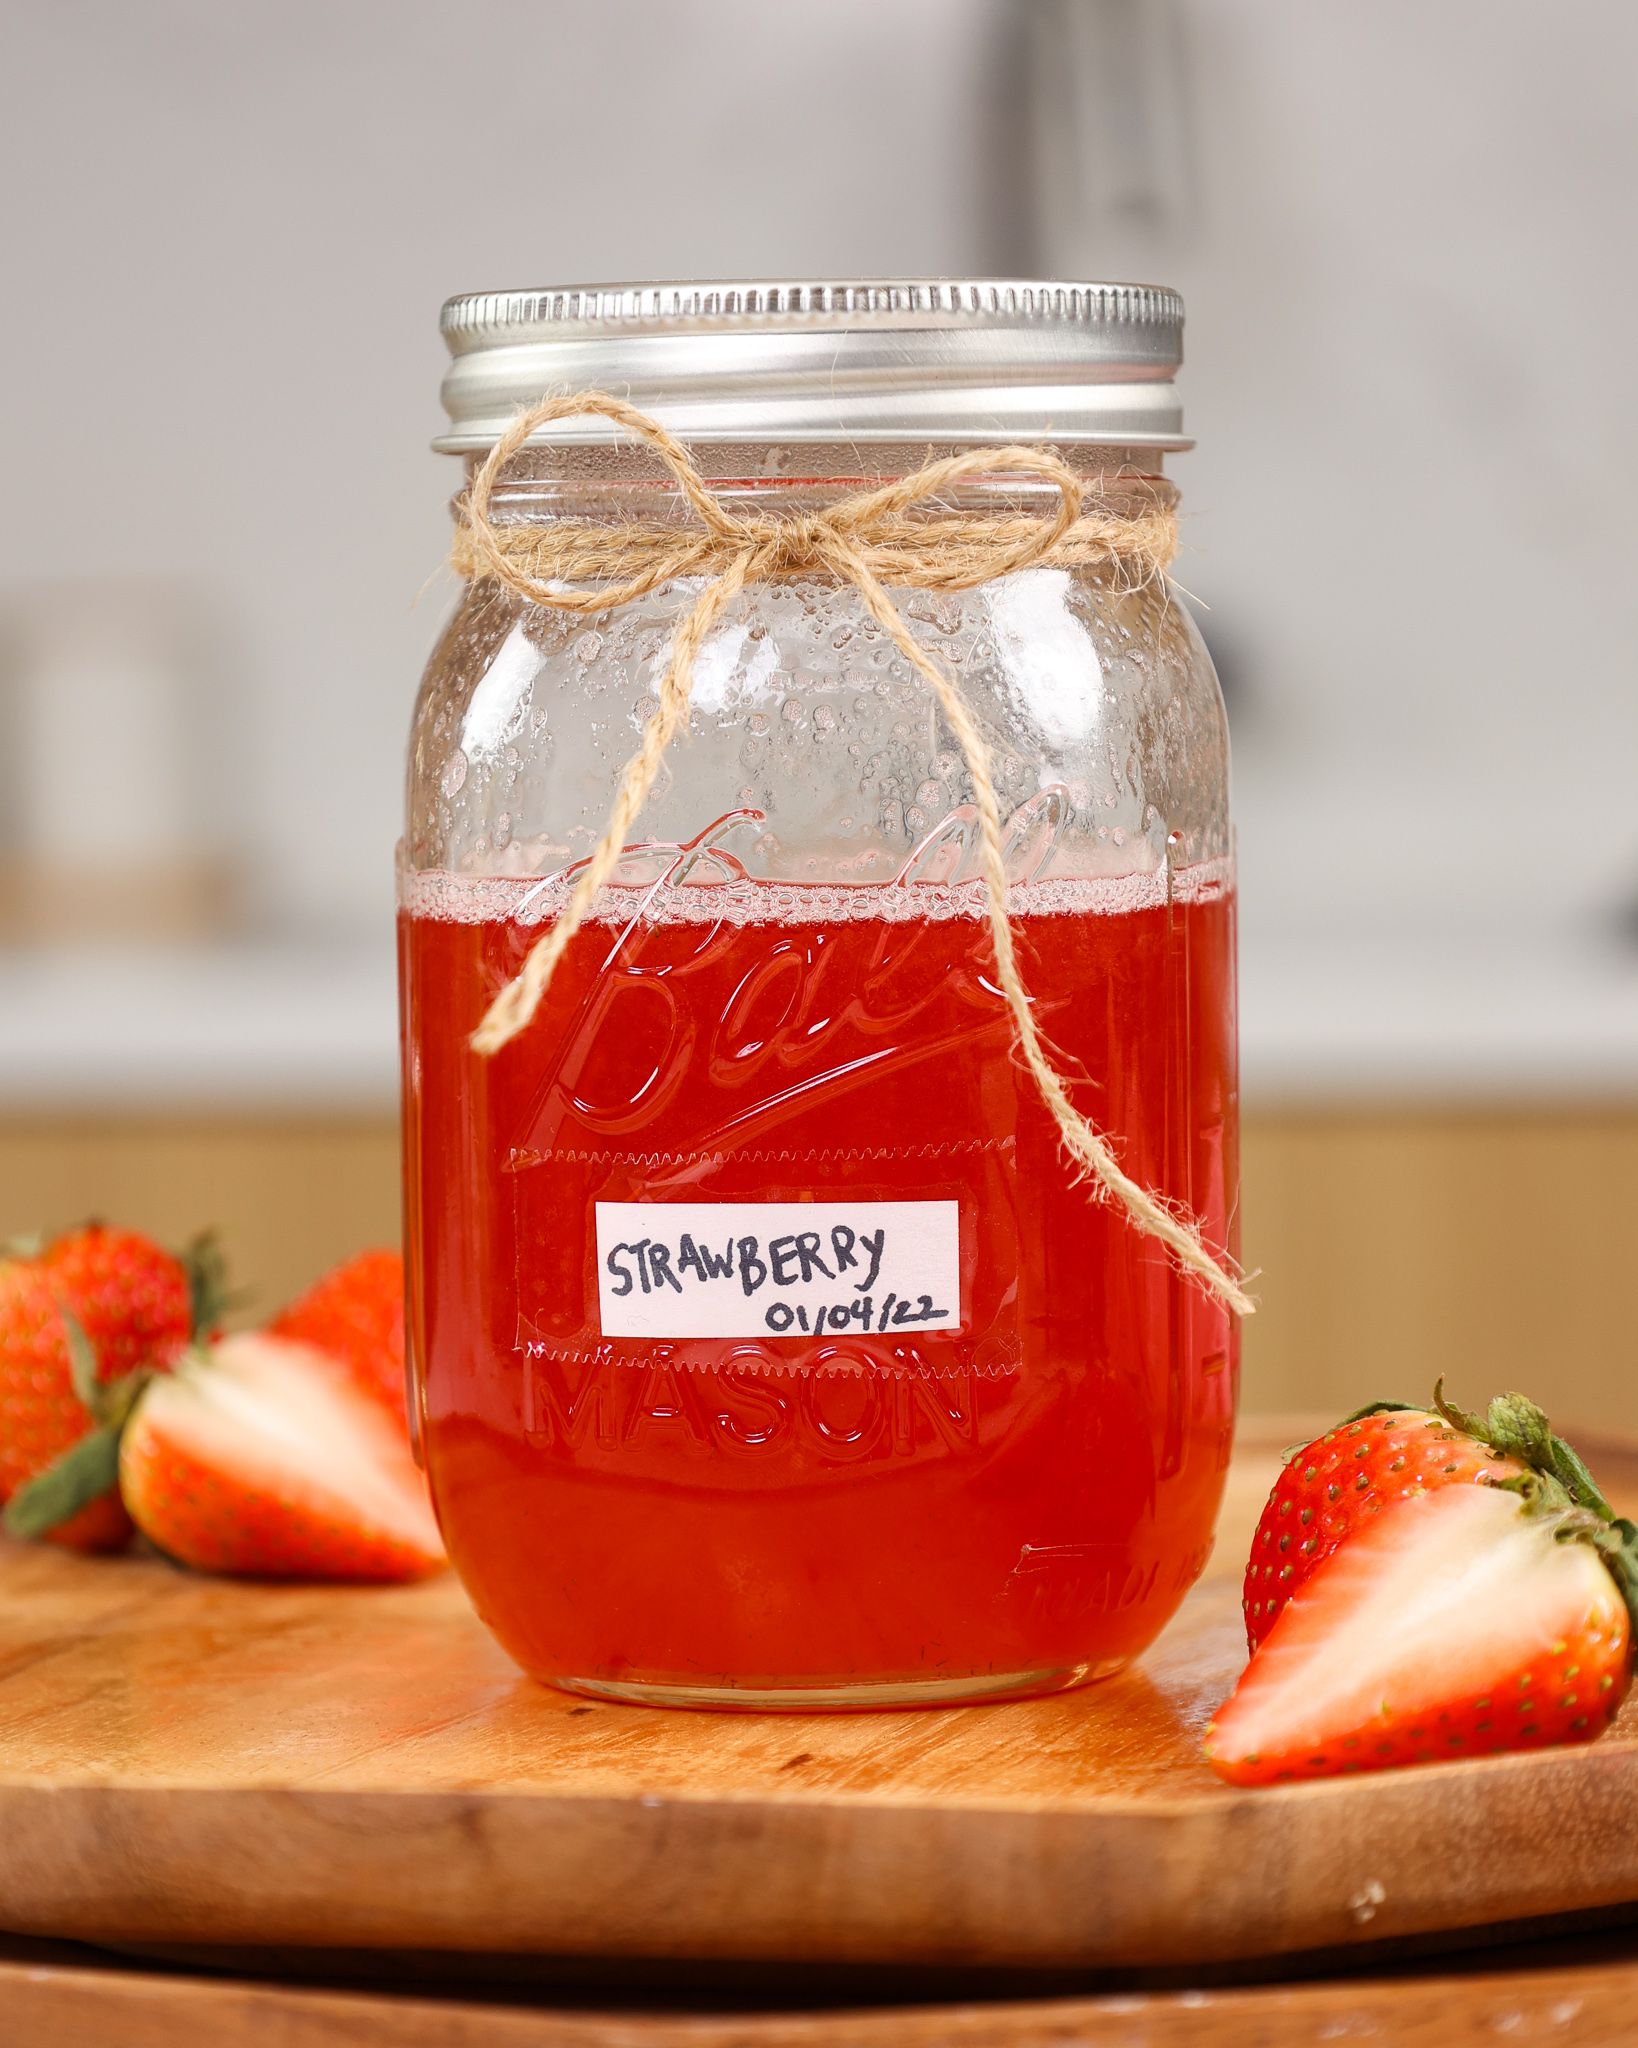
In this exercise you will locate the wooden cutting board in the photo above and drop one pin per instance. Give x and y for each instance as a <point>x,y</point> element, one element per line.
<point>189,1760</point>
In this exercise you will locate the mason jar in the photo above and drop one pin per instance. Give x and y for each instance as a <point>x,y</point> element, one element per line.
<point>769,1350</point>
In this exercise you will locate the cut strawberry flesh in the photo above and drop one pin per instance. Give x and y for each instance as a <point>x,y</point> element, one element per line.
<point>266,1457</point>
<point>1344,1478</point>
<point>1455,1625</point>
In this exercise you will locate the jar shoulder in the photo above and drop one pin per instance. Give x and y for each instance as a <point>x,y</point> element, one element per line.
<point>1099,708</point>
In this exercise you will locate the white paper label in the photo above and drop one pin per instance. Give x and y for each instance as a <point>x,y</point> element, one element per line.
<point>782,1269</point>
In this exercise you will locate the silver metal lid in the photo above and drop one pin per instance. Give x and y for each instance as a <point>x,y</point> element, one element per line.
<point>922,360</point>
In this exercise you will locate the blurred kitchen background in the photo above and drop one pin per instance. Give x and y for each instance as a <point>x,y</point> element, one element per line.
<point>1405,235</point>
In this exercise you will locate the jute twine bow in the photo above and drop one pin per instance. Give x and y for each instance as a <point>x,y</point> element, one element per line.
<point>871,542</point>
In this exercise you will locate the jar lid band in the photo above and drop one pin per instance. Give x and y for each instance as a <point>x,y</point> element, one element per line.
<point>973,360</point>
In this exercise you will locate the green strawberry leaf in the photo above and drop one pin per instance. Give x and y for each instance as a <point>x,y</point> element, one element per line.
<point>87,1469</point>
<point>82,1365</point>
<point>1516,1428</point>
<point>1617,1544</point>
<point>119,1397</point>
<point>205,1263</point>
<point>1573,1474</point>
<point>84,1473</point>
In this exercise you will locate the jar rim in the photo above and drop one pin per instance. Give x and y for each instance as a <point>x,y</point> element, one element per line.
<point>969,360</point>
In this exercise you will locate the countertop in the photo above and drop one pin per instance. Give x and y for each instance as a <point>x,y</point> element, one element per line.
<point>311,1024</point>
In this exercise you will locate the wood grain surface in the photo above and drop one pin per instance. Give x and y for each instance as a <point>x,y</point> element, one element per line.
<point>189,1760</point>
<point>66,2001</point>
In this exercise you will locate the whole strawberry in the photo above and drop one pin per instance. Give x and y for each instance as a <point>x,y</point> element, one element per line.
<point>80,1323</point>
<point>1486,1605</point>
<point>356,1314</point>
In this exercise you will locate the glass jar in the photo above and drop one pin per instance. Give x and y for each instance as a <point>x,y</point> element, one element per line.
<point>766,1350</point>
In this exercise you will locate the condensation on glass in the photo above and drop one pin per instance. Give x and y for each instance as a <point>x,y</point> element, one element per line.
<point>765,1352</point>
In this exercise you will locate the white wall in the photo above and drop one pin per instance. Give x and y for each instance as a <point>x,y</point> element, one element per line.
<point>227,232</point>
<point>1413,298</point>
<point>1405,235</point>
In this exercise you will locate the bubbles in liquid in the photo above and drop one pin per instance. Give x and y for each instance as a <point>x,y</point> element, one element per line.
<point>588,647</point>
<point>454,773</point>
<point>477,899</point>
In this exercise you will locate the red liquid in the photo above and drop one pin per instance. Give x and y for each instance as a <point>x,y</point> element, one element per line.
<point>1019,1502</point>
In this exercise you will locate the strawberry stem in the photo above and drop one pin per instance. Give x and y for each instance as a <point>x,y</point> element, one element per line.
<point>1516,1428</point>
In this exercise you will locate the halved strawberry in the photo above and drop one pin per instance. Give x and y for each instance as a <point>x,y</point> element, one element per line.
<point>263,1457</point>
<point>1470,1620</point>
<point>356,1313</point>
<point>1379,1458</point>
<point>82,1322</point>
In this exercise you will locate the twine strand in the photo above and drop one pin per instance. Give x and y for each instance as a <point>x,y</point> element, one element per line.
<point>869,541</point>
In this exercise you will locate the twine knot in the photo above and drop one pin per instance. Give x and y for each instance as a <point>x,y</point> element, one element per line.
<point>873,541</point>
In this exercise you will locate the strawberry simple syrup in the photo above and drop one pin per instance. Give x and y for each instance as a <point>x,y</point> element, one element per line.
<point>1014,1505</point>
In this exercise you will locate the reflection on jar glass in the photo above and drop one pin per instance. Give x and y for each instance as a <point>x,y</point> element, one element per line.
<point>767,1350</point>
